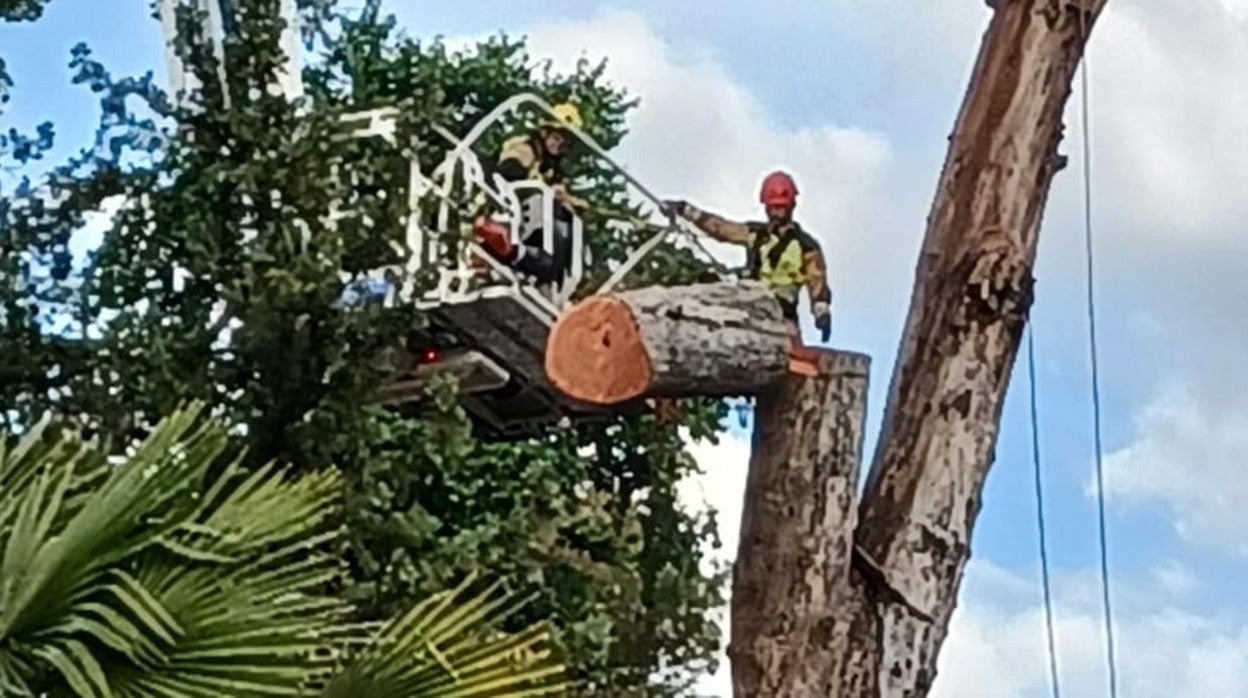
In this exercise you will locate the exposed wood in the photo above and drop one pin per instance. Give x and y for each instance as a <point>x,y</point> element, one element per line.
<point>794,553</point>
<point>707,339</point>
<point>970,302</point>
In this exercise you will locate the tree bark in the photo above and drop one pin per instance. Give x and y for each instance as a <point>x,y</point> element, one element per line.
<point>972,294</point>
<point>793,559</point>
<point>707,339</point>
<point>823,604</point>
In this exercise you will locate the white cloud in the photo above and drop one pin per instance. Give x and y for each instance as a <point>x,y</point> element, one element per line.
<point>721,486</point>
<point>1192,459</point>
<point>1237,9</point>
<point>997,647</point>
<point>1168,121</point>
<point>1168,110</point>
<point>698,132</point>
<point>1175,579</point>
<point>1169,124</point>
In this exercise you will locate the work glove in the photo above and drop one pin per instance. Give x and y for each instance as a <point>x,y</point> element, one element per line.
<point>823,319</point>
<point>674,208</point>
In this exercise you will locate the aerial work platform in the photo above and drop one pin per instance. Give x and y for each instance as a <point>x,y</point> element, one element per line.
<point>488,324</point>
<point>496,359</point>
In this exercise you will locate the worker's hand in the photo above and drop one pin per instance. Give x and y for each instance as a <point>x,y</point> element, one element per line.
<point>573,202</point>
<point>823,319</point>
<point>674,208</point>
<point>577,204</point>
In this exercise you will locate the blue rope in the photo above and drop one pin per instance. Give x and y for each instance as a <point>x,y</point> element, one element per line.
<point>1040,525</point>
<point>1096,391</point>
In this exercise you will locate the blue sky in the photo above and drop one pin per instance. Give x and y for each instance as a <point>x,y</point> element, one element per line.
<point>858,99</point>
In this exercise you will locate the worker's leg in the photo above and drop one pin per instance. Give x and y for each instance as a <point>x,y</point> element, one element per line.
<point>535,262</point>
<point>542,265</point>
<point>495,238</point>
<point>529,258</point>
<point>795,334</point>
<point>789,311</point>
<point>526,258</point>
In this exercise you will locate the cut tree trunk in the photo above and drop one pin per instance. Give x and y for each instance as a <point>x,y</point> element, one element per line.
<point>972,294</point>
<point>708,340</point>
<point>818,610</point>
<point>793,558</point>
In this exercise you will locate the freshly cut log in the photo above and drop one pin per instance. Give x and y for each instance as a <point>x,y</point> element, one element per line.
<point>670,341</point>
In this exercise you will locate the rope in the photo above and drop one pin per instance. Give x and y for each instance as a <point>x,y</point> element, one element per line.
<point>1040,524</point>
<point>1096,391</point>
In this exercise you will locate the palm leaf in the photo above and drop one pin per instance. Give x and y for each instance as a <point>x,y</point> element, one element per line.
<point>138,581</point>
<point>245,577</point>
<point>447,647</point>
<point>135,581</point>
<point>47,566</point>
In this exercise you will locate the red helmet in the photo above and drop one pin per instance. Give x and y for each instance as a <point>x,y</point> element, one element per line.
<point>778,190</point>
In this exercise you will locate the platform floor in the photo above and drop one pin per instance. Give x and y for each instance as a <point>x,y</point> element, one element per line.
<point>515,339</point>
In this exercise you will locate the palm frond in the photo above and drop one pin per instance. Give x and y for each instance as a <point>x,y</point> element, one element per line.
<point>246,577</point>
<point>150,584</point>
<point>141,580</point>
<point>448,647</point>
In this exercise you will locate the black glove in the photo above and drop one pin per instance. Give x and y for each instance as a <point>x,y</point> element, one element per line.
<point>674,208</point>
<point>823,322</point>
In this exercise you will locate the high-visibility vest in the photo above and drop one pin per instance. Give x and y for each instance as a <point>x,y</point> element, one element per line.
<point>526,148</point>
<point>778,259</point>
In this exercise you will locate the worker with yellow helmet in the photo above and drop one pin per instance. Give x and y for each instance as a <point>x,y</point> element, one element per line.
<point>537,155</point>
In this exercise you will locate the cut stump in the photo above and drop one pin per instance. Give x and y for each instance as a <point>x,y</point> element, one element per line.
<point>797,524</point>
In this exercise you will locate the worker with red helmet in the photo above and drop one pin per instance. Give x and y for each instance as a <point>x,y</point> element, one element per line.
<point>779,252</point>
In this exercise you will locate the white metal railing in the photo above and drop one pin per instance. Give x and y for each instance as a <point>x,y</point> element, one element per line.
<point>460,182</point>
<point>674,224</point>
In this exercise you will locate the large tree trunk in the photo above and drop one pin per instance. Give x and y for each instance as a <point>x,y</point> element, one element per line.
<point>797,524</point>
<point>816,610</point>
<point>971,299</point>
<point>706,339</point>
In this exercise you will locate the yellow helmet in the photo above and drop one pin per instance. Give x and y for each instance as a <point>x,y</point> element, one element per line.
<point>564,115</point>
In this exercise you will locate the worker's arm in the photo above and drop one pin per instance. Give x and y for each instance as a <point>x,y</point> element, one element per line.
<point>516,160</point>
<point>713,225</point>
<point>516,163</point>
<point>572,201</point>
<point>816,272</point>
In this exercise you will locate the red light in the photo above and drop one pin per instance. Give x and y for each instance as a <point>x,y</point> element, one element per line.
<point>429,356</point>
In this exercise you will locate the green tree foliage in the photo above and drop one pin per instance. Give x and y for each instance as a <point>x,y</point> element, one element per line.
<point>219,280</point>
<point>18,10</point>
<point>147,578</point>
<point>33,272</point>
<point>14,145</point>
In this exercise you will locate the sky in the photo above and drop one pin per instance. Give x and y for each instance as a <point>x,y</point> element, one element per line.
<point>857,100</point>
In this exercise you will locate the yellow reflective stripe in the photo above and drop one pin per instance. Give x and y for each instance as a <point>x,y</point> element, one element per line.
<point>789,272</point>
<point>518,147</point>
